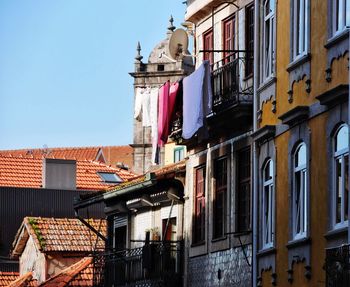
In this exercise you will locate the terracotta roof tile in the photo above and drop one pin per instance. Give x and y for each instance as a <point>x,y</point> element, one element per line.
<point>27,172</point>
<point>66,235</point>
<point>78,274</point>
<point>78,153</point>
<point>25,280</point>
<point>7,277</point>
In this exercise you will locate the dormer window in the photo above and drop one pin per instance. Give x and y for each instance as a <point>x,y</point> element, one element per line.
<point>109,177</point>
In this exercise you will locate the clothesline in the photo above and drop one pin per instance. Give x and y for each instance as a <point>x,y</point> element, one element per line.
<point>158,106</point>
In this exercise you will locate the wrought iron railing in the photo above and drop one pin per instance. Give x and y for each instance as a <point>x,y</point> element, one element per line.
<point>229,88</point>
<point>154,264</point>
<point>337,266</point>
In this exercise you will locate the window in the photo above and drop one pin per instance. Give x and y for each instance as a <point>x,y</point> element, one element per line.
<point>249,12</point>
<point>300,18</point>
<point>199,212</point>
<point>299,197</point>
<point>229,41</point>
<point>267,205</point>
<point>268,40</point>
<point>208,46</point>
<point>109,177</point>
<point>219,204</point>
<point>340,15</point>
<point>179,153</point>
<point>341,176</point>
<point>243,191</point>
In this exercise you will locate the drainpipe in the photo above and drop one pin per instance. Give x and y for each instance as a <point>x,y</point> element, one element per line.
<point>255,163</point>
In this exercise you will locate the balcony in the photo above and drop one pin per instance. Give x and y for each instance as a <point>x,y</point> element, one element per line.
<point>229,88</point>
<point>155,264</point>
<point>337,266</point>
<point>232,89</point>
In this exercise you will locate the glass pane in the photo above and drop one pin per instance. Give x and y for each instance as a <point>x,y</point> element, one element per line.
<point>346,188</point>
<point>297,206</point>
<point>338,181</point>
<point>347,13</point>
<point>342,138</point>
<point>110,177</point>
<point>268,171</point>
<point>300,157</point>
<point>267,213</point>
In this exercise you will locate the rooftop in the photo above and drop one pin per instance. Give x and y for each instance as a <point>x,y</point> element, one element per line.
<point>7,277</point>
<point>59,235</point>
<point>27,172</point>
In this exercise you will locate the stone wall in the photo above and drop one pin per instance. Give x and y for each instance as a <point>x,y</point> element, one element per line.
<point>235,272</point>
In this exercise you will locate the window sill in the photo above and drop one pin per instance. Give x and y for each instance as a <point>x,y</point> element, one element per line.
<point>222,238</point>
<point>336,232</point>
<point>298,242</point>
<point>335,39</point>
<point>267,83</point>
<point>266,251</point>
<point>298,62</point>
<point>198,244</point>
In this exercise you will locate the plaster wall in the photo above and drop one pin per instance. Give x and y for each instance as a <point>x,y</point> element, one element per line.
<point>33,260</point>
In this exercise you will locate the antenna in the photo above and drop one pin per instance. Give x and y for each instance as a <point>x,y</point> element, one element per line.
<point>178,44</point>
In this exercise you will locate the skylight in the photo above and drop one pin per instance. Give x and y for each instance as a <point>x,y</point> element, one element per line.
<point>110,177</point>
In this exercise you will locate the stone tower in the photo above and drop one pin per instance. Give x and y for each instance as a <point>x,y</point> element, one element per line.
<point>159,68</point>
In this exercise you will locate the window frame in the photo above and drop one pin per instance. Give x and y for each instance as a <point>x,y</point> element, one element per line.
<point>338,28</point>
<point>222,191</point>
<point>232,41</point>
<point>199,216</point>
<point>300,27</point>
<point>302,194</point>
<point>241,181</point>
<point>340,154</point>
<point>268,224</point>
<point>249,41</point>
<point>179,149</point>
<point>208,45</point>
<point>269,64</point>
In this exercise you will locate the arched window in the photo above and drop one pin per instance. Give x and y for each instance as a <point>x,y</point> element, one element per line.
<point>340,175</point>
<point>267,205</point>
<point>299,198</point>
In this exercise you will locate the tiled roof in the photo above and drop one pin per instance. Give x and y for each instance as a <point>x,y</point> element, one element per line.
<point>167,171</point>
<point>79,274</point>
<point>77,153</point>
<point>119,154</point>
<point>7,277</point>
<point>25,280</point>
<point>27,172</point>
<point>60,235</point>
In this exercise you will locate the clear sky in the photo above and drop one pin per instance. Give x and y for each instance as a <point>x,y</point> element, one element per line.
<point>64,68</point>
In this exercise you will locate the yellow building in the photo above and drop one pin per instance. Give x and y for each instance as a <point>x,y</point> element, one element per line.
<point>301,140</point>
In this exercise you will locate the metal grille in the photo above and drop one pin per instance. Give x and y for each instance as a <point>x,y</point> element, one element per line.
<point>338,266</point>
<point>154,264</point>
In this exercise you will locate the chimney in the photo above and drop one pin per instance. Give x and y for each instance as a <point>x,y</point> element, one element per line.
<point>59,174</point>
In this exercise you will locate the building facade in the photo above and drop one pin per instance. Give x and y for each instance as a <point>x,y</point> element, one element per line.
<point>301,142</point>
<point>219,167</point>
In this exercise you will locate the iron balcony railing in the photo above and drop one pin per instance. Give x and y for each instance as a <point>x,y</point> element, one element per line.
<point>232,86</point>
<point>154,264</point>
<point>229,87</point>
<point>337,266</point>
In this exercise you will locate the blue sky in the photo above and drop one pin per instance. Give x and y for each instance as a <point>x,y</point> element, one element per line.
<point>64,68</point>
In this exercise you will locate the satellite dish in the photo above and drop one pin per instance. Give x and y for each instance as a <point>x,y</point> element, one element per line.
<point>178,43</point>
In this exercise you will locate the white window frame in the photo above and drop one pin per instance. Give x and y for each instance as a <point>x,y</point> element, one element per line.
<point>300,208</point>
<point>268,45</point>
<point>340,16</point>
<point>340,154</point>
<point>300,28</point>
<point>268,206</point>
